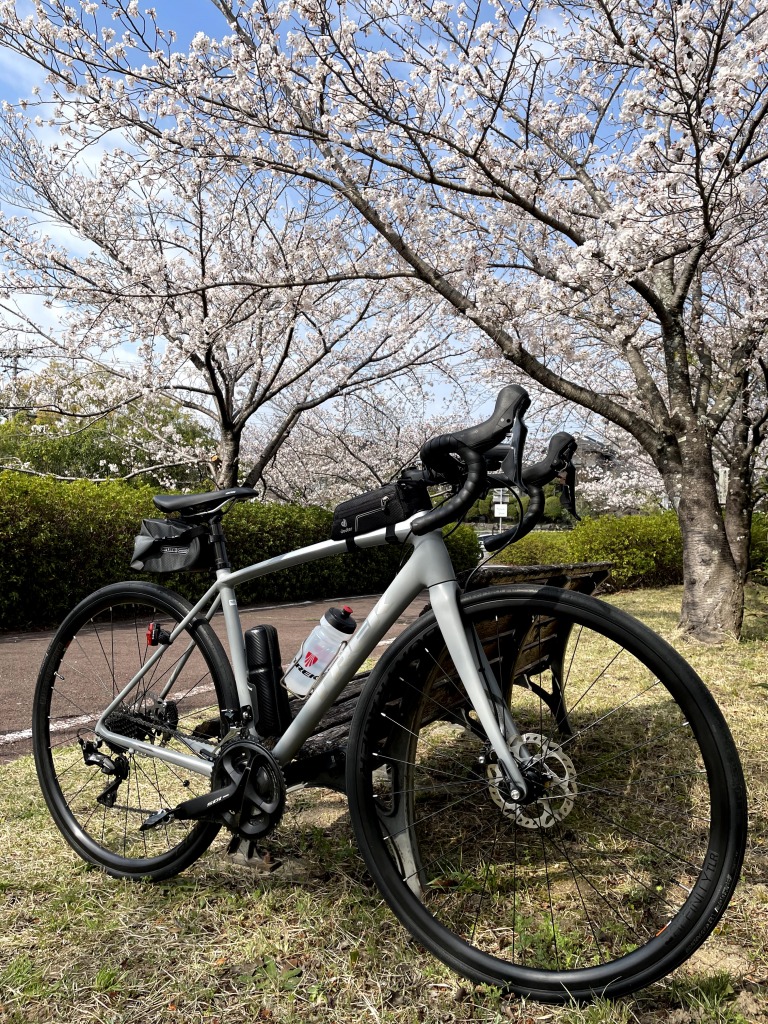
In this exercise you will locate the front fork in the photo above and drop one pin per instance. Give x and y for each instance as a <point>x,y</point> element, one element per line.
<point>481,685</point>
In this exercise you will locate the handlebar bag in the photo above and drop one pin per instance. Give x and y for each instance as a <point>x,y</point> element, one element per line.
<point>375,509</point>
<point>172,545</point>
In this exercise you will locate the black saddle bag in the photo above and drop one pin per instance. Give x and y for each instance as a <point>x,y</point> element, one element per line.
<point>383,507</point>
<point>172,545</point>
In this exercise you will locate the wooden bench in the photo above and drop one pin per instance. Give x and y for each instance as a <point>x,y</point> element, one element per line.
<point>321,759</point>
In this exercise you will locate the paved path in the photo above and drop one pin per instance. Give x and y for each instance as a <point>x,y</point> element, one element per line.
<point>22,653</point>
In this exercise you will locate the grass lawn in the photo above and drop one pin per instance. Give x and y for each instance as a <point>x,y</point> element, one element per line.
<point>312,941</point>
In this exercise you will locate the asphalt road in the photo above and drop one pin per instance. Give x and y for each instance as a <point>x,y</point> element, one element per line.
<point>21,655</point>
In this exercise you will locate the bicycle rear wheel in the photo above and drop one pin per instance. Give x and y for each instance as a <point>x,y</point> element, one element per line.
<point>629,848</point>
<point>100,793</point>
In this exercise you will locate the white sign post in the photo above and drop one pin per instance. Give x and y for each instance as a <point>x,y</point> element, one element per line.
<point>500,507</point>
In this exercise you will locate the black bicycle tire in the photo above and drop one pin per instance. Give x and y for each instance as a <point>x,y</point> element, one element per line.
<point>710,895</point>
<point>201,834</point>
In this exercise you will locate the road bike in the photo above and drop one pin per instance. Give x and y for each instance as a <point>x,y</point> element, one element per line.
<point>543,790</point>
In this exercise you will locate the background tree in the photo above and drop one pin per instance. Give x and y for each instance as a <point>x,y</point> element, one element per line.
<point>81,435</point>
<point>360,442</point>
<point>583,182</point>
<point>236,296</point>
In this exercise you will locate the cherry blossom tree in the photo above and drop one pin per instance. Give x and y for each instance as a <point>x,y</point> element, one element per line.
<point>235,295</point>
<point>583,182</point>
<point>148,440</point>
<point>361,441</point>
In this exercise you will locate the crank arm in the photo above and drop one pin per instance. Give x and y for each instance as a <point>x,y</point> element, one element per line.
<point>197,807</point>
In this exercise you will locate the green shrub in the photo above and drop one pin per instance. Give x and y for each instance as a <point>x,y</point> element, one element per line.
<point>60,541</point>
<point>645,550</point>
<point>758,553</point>
<point>553,509</point>
<point>543,547</point>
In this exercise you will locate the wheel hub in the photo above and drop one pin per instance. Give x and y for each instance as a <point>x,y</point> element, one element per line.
<point>551,779</point>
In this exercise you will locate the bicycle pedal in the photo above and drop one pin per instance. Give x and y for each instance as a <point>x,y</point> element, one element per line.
<point>161,817</point>
<point>245,852</point>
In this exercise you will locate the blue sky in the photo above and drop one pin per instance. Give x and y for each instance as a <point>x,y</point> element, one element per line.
<point>187,17</point>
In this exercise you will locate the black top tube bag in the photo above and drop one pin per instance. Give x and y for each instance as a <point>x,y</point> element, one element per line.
<point>172,545</point>
<point>383,507</point>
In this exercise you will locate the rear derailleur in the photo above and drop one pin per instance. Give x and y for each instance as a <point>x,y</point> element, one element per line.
<point>116,766</point>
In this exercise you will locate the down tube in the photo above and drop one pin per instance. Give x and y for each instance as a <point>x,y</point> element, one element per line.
<point>403,589</point>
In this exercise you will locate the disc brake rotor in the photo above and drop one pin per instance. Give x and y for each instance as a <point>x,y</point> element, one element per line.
<point>557,776</point>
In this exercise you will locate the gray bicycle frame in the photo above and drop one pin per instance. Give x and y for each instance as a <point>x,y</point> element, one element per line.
<point>429,567</point>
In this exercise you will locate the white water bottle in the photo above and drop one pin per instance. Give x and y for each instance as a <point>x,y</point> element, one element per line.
<point>319,649</point>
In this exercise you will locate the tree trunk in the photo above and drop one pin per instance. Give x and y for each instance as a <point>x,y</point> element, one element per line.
<point>738,520</point>
<point>228,463</point>
<point>713,593</point>
<point>739,499</point>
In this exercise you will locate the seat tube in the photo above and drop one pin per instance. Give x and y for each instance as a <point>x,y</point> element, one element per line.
<point>236,641</point>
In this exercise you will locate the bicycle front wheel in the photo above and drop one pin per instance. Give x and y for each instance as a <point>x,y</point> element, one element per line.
<point>630,843</point>
<point>100,793</point>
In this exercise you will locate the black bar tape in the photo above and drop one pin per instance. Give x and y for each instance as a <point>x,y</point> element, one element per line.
<point>459,503</point>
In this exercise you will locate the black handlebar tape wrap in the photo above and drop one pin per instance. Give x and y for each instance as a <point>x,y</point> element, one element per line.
<point>511,403</point>
<point>469,444</point>
<point>451,509</point>
<point>561,448</point>
<point>436,455</point>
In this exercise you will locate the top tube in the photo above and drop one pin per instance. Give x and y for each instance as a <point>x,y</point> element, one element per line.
<point>323,549</point>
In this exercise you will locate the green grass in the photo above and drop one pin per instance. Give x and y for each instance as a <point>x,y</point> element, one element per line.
<point>312,941</point>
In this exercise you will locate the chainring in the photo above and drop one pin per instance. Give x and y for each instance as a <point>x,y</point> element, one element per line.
<point>264,791</point>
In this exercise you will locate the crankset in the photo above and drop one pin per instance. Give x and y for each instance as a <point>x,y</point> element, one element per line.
<point>247,794</point>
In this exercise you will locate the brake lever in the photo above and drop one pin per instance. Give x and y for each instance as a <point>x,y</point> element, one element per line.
<point>567,478</point>
<point>512,466</point>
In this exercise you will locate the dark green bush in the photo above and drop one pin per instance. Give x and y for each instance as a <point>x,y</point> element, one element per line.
<point>60,541</point>
<point>645,550</point>
<point>553,509</point>
<point>758,555</point>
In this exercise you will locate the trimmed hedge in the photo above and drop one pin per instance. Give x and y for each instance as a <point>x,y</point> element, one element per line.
<point>60,541</point>
<point>646,551</point>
